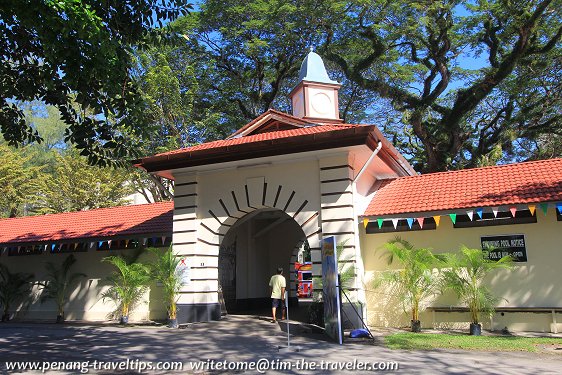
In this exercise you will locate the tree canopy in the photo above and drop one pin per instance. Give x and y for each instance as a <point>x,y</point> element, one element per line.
<point>52,177</point>
<point>470,79</point>
<point>237,61</point>
<point>74,185</point>
<point>77,56</point>
<point>453,84</point>
<point>19,182</point>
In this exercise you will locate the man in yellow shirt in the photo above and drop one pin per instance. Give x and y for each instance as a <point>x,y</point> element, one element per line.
<point>278,285</point>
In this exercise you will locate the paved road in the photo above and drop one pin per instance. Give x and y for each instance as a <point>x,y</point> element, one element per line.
<point>242,338</point>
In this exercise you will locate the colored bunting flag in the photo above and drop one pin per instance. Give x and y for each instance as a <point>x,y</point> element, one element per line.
<point>532,209</point>
<point>109,243</point>
<point>53,247</point>
<point>470,214</point>
<point>437,220</point>
<point>544,208</point>
<point>365,222</point>
<point>144,241</point>
<point>100,244</point>
<point>453,218</point>
<point>495,211</point>
<point>559,208</point>
<point>126,243</point>
<point>513,211</point>
<point>479,212</point>
<point>410,222</point>
<point>75,246</point>
<point>395,223</point>
<point>420,221</point>
<point>379,222</point>
<point>163,240</point>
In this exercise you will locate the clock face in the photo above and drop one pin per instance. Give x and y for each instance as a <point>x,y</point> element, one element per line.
<point>322,103</point>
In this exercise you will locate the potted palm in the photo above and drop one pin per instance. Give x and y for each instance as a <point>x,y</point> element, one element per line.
<point>167,271</point>
<point>465,274</point>
<point>416,281</point>
<point>58,284</point>
<point>14,288</point>
<point>127,284</point>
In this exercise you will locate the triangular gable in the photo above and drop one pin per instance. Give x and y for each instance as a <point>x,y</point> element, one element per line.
<point>269,121</point>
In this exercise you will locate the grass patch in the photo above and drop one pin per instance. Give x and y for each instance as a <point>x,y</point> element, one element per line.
<point>428,341</point>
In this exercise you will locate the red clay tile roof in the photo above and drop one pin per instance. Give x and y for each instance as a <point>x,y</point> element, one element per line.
<point>142,219</point>
<point>511,184</point>
<point>282,134</point>
<point>271,134</point>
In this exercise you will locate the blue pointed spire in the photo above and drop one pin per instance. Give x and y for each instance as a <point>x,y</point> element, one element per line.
<point>313,69</point>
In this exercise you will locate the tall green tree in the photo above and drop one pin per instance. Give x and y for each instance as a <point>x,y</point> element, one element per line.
<point>470,79</point>
<point>237,61</point>
<point>77,56</point>
<point>52,177</point>
<point>174,88</point>
<point>453,84</point>
<point>20,183</point>
<point>74,185</point>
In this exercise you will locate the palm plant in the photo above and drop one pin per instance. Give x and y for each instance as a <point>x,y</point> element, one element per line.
<point>165,269</point>
<point>416,281</point>
<point>127,284</point>
<point>58,284</point>
<point>465,275</point>
<point>14,288</point>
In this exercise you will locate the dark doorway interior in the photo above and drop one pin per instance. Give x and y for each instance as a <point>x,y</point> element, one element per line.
<point>250,253</point>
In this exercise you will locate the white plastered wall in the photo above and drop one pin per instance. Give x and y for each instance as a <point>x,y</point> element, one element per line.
<point>85,302</point>
<point>535,283</point>
<point>215,201</point>
<point>315,192</point>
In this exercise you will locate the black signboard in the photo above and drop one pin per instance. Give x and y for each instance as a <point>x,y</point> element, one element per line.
<point>500,246</point>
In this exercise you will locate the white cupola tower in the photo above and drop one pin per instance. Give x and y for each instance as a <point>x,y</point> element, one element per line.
<point>316,95</point>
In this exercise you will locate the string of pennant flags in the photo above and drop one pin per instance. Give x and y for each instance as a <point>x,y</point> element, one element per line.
<point>98,245</point>
<point>470,213</point>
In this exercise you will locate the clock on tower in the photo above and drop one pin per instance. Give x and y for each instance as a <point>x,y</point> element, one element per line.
<point>316,95</point>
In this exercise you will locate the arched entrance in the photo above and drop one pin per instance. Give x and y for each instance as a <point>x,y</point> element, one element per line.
<point>250,252</point>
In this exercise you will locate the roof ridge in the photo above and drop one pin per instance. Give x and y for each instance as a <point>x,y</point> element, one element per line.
<point>288,132</point>
<point>466,170</point>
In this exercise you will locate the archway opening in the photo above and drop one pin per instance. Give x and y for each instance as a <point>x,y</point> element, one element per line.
<point>250,253</point>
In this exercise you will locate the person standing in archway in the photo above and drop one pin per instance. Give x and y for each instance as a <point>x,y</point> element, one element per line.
<point>277,284</point>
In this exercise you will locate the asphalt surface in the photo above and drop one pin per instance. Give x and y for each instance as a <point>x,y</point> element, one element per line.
<point>242,339</point>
